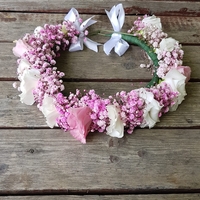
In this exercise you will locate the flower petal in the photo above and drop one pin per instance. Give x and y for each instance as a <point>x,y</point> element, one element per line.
<point>116,127</point>
<point>79,121</point>
<point>29,81</point>
<point>176,80</point>
<point>152,21</point>
<point>151,110</point>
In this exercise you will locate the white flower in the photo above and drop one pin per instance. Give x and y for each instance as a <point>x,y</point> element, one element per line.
<point>116,16</point>
<point>176,80</point>
<point>116,127</point>
<point>151,110</point>
<point>167,44</point>
<point>49,110</point>
<point>29,81</point>
<point>23,65</point>
<point>37,31</point>
<point>73,16</point>
<point>152,20</point>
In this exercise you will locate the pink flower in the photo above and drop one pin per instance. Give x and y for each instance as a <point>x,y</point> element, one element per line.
<point>20,48</point>
<point>186,71</point>
<point>79,121</point>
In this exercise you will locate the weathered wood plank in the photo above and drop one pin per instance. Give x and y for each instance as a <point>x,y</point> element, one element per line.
<point>75,65</point>
<point>88,6</point>
<point>37,160</point>
<point>106,197</point>
<point>15,114</point>
<point>183,28</point>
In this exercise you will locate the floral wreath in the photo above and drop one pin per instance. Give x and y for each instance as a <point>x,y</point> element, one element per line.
<point>81,113</point>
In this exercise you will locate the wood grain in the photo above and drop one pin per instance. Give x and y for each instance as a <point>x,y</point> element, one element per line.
<point>37,162</point>
<point>158,7</point>
<point>106,197</point>
<point>185,29</point>
<point>53,160</point>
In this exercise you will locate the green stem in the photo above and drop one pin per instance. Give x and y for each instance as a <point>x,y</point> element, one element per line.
<point>149,51</point>
<point>135,40</point>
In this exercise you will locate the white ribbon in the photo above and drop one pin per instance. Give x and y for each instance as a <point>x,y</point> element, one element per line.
<point>73,16</point>
<point>116,17</point>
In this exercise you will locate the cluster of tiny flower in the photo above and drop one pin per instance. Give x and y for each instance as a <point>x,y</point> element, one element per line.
<point>131,106</point>
<point>152,35</point>
<point>169,59</point>
<point>63,103</point>
<point>164,95</point>
<point>169,56</point>
<point>99,113</point>
<point>45,44</point>
<point>50,82</point>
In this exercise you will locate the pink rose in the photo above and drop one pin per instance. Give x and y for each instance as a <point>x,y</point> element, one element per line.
<point>186,71</point>
<point>79,121</point>
<point>20,48</point>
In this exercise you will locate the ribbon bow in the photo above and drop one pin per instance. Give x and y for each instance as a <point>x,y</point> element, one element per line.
<point>73,16</point>
<point>116,17</point>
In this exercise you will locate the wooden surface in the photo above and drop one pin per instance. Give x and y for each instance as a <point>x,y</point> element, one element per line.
<point>156,164</point>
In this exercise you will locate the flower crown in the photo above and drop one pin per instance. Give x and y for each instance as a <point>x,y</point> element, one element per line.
<point>81,113</point>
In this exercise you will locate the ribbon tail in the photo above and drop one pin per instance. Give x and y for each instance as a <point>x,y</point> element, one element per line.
<point>116,17</point>
<point>91,44</point>
<point>109,45</point>
<point>120,14</point>
<point>73,16</point>
<point>87,23</point>
<point>78,46</point>
<point>121,47</point>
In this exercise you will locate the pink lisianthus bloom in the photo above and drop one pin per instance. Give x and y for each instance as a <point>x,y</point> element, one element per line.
<point>186,71</point>
<point>20,48</point>
<point>79,121</point>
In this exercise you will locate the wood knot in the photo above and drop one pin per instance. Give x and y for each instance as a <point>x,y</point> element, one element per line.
<point>31,150</point>
<point>142,153</point>
<point>114,159</point>
<point>189,121</point>
<point>116,142</point>
<point>3,168</point>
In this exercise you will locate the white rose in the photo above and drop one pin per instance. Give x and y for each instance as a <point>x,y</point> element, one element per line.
<point>116,127</point>
<point>49,110</point>
<point>29,81</point>
<point>152,20</point>
<point>151,110</point>
<point>176,80</point>
<point>167,44</point>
